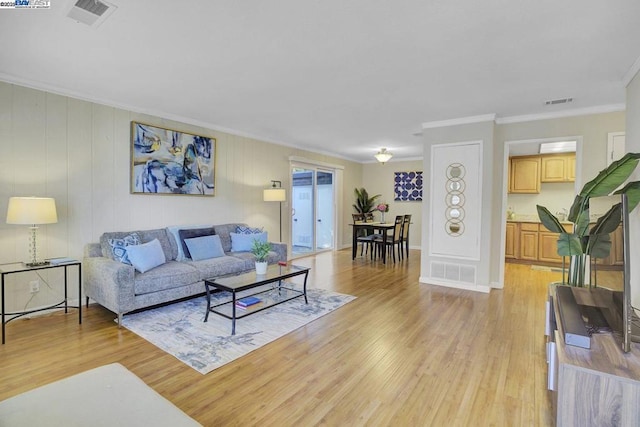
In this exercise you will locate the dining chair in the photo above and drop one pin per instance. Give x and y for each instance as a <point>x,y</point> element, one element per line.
<point>405,234</point>
<point>394,240</point>
<point>364,238</point>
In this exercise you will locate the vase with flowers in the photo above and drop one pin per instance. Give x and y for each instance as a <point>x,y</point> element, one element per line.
<point>382,208</point>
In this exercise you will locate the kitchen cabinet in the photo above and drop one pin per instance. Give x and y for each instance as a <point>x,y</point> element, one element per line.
<point>512,239</point>
<point>548,244</point>
<point>524,174</point>
<point>558,168</point>
<point>529,241</point>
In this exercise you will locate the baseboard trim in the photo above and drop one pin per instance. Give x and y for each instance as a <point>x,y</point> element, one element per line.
<point>438,282</point>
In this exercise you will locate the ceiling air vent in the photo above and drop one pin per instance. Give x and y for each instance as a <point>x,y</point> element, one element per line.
<point>559,101</point>
<point>91,12</point>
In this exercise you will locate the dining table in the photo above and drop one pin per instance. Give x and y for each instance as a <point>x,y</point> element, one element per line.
<point>375,226</point>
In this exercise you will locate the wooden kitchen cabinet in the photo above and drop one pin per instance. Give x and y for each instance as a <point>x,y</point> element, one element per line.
<point>529,241</point>
<point>512,239</point>
<point>524,174</point>
<point>548,244</point>
<point>558,168</point>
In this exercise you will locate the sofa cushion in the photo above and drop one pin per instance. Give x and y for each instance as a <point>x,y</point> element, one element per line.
<point>169,246</point>
<point>216,267</point>
<point>204,247</point>
<point>169,275</point>
<point>118,247</point>
<point>191,233</point>
<point>146,256</point>
<point>244,242</point>
<point>224,231</point>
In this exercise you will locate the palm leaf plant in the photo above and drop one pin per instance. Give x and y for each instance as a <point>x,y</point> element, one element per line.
<point>364,204</point>
<point>584,243</point>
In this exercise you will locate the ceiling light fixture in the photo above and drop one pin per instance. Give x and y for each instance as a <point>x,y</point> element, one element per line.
<point>383,156</point>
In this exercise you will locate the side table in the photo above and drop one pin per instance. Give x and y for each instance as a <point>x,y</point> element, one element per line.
<point>19,267</point>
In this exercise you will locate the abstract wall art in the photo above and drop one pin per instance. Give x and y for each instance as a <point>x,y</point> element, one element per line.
<point>165,161</point>
<point>408,186</point>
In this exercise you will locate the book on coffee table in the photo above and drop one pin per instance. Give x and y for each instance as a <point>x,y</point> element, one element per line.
<point>248,301</point>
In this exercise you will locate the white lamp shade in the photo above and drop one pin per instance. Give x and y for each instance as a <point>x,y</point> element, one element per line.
<point>274,195</point>
<point>32,210</point>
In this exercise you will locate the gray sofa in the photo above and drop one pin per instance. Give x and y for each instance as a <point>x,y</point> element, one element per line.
<point>121,288</point>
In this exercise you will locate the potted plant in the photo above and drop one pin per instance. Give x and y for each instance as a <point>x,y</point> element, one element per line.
<point>364,204</point>
<point>261,251</point>
<point>583,243</point>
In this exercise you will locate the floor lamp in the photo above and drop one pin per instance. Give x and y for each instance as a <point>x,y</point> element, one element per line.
<point>276,193</point>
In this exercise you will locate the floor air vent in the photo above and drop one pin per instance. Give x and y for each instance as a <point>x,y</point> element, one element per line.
<point>91,12</point>
<point>454,272</point>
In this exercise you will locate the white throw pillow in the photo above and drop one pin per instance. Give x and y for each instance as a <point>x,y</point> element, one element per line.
<point>146,256</point>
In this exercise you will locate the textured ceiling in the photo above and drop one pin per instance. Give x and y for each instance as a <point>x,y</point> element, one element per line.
<point>338,77</point>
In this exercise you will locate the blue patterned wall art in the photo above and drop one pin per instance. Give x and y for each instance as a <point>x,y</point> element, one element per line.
<point>408,186</point>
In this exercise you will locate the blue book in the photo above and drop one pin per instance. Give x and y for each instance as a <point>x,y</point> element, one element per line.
<point>248,301</point>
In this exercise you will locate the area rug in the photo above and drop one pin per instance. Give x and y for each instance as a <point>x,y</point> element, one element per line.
<point>179,329</point>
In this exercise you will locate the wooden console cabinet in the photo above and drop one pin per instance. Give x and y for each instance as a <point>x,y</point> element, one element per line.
<point>599,386</point>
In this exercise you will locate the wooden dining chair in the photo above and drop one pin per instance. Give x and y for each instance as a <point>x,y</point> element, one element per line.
<point>405,234</point>
<point>364,238</point>
<point>394,240</point>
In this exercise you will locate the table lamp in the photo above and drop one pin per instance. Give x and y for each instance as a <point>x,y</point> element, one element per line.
<point>32,211</point>
<point>276,194</point>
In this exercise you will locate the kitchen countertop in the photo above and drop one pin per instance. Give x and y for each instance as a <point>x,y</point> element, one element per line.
<point>533,220</point>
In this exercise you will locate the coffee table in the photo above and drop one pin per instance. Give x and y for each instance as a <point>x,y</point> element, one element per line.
<point>277,294</point>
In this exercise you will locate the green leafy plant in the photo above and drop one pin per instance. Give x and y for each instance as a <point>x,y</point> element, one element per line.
<point>583,242</point>
<point>260,250</point>
<point>364,204</point>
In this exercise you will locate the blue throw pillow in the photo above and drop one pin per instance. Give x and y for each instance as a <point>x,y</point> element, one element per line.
<point>244,242</point>
<point>119,247</point>
<point>190,234</point>
<point>204,247</point>
<point>174,230</point>
<point>146,256</point>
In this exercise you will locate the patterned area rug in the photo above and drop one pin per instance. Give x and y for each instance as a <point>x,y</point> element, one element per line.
<point>179,329</point>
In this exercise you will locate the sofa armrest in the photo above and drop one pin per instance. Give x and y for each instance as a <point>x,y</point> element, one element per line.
<point>280,249</point>
<point>110,283</point>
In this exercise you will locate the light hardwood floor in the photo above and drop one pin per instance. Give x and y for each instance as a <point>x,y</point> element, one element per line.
<point>402,353</point>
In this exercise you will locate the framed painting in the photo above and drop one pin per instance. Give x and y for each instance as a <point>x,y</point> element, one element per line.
<point>165,161</point>
<point>407,186</point>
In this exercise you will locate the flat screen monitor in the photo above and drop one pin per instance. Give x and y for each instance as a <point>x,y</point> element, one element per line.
<point>611,274</point>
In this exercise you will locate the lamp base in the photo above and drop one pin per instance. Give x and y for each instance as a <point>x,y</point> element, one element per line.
<point>37,263</point>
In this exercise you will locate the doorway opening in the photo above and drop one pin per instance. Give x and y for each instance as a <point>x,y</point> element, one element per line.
<point>523,239</point>
<point>313,210</point>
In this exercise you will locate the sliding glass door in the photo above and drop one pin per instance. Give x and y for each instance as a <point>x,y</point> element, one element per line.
<point>313,209</point>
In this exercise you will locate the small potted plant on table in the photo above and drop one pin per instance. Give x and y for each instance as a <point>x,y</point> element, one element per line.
<point>261,251</point>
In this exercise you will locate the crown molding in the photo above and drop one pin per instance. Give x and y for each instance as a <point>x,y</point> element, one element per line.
<point>10,79</point>
<point>459,121</point>
<point>560,114</point>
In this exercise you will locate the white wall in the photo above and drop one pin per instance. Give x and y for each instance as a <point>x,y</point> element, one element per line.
<point>632,145</point>
<point>483,132</point>
<point>79,153</point>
